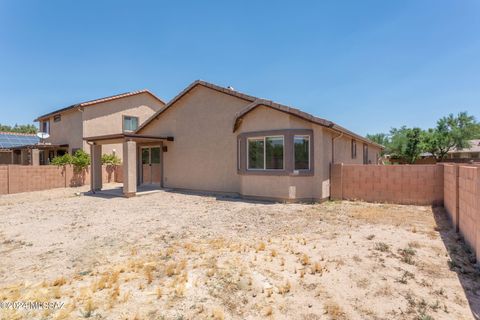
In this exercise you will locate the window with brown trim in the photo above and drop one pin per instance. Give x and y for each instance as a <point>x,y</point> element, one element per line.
<point>57,118</point>
<point>354,149</point>
<point>301,149</point>
<point>265,153</point>
<point>276,152</point>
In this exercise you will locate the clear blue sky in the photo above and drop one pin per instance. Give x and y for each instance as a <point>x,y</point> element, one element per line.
<point>367,65</point>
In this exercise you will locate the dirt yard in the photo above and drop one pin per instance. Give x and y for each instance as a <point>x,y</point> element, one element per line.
<point>178,256</point>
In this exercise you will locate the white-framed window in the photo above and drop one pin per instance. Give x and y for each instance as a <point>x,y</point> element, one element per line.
<point>266,153</point>
<point>301,152</point>
<point>130,123</point>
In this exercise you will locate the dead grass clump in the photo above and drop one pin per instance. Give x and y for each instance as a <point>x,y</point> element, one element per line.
<point>384,291</point>
<point>159,292</point>
<point>88,309</point>
<point>285,288</point>
<point>414,244</point>
<point>170,269</point>
<point>407,255</point>
<point>316,268</point>
<point>218,314</point>
<point>267,311</point>
<point>406,275</point>
<point>261,246</point>
<point>149,275</point>
<point>304,259</point>
<point>59,282</point>
<point>334,311</point>
<point>382,246</point>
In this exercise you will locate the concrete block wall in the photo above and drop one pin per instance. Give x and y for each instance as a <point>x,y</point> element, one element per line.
<point>34,178</point>
<point>403,184</point>
<point>450,193</point>
<point>19,178</point>
<point>3,179</point>
<point>469,206</point>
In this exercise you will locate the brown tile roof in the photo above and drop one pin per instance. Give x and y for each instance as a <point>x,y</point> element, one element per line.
<point>96,101</point>
<point>474,147</point>
<point>255,102</point>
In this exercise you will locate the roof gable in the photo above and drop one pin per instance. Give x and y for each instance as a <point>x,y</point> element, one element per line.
<point>254,103</point>
<point>190,88</point>
<point>97,101</point>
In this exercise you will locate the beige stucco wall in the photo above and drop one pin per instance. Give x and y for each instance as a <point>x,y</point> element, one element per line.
<point>107,118</point>
<point>203,155</point>
<point>101,119</point>
<point>286,187</point>
<point>67,131</point>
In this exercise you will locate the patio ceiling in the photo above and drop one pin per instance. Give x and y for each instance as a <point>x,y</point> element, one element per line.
<point>121,137</point>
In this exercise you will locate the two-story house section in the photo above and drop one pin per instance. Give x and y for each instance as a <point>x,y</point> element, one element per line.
<point>116,114</point>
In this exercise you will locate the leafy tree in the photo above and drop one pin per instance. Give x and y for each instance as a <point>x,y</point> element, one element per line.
<point>414,144</point>
<point>23,128</point>
<point>380,138</point>
<point>405,143</point>
<point>451,132</point>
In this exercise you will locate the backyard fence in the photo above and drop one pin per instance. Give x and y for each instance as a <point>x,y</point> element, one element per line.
<point>403,184</point>
<point>462,201</point>
<point>18,178</point>
<point>456,186</point>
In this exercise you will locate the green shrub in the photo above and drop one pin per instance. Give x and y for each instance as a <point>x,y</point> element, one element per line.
<point>62,160</point>
<point>80,160</point>
<point>110,160</point>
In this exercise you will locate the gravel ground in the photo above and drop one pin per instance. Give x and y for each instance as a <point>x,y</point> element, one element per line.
<point>171,255</point>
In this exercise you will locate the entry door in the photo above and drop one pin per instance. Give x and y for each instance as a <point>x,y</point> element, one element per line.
<point>151,170</point>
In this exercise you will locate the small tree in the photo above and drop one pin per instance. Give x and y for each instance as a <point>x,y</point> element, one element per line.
<point>406,143</point>
<point>80,160</point>
<point>64,160</point>
<point>110,160</point>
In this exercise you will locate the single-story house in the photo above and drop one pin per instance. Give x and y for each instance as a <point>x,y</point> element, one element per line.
<point>216,139</point>
<point>10,144</point>
<point>467,154</point>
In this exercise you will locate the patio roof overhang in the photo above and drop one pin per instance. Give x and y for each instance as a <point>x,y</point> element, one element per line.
<point>41,146</point>
<point>122,137</point>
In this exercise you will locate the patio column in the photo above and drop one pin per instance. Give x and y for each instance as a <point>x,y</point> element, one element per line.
<point>129,168</point>
<point>96,167</point>
<point>35,161</point>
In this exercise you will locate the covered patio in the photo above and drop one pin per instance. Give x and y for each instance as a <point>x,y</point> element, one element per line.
<point>142,161</point>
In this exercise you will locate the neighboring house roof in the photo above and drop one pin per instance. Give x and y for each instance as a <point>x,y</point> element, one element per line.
<point>474,147</point>
<point>255,102</point>
<point>10,140</point>
<point>96,101</point>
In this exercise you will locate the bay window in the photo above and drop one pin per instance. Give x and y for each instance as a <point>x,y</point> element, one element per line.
<point>301,148</point>
<point>266,153</point>
<point>283,152</point>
